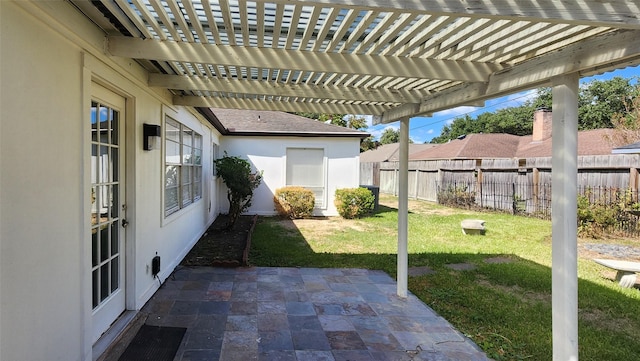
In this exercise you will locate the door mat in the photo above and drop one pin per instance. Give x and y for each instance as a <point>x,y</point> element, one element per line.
<point>154,343</point>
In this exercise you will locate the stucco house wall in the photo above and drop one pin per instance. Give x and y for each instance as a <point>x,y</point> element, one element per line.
<point>268,154</point>
<point>52,66</point>
<point>50,55</point>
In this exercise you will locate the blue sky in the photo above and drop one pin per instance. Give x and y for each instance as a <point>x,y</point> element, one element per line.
<point>423,129</point>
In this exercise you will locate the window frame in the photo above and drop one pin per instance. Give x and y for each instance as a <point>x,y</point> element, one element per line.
<point>183,152</point>
<point>322,202</point>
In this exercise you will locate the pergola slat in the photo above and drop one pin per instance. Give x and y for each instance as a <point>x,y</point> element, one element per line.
<point>310,61</point>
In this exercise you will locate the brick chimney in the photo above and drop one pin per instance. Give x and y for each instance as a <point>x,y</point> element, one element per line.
<point>541,124</point>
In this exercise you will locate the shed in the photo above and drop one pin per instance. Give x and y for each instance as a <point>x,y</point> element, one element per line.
<point>291,150</point>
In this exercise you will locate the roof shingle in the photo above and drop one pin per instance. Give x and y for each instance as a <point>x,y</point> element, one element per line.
<point>253,122</point>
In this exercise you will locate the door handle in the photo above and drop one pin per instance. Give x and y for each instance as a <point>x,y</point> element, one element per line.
<point>125,223</point>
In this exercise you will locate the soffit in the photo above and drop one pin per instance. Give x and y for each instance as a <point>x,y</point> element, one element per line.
<point>388,59</point>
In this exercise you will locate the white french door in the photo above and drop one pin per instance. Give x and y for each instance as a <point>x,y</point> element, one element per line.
<point>107,208</point>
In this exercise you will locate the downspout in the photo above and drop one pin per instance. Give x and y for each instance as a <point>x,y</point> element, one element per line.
<point>403,209</point>
<point>564,234</point>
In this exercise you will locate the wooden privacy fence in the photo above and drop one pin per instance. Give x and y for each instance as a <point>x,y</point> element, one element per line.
<point>614,171</point>
<point>513,185</point>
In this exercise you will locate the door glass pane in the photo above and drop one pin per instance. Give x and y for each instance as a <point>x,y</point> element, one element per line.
<point>115,116</point>
<point>115,273</point>
<point>101,193</point>
<point>94,247</point>
<point>94,163</point>
<point>115,239</point>
<point>94,209</point>
<point>103,165</point>
<point>115,208</point>
<point>104,243</point>
<point>94,121</point>
<point>115,161</point>
<point>104,281</point>
<point>103,136</point>
<point>95,290</point>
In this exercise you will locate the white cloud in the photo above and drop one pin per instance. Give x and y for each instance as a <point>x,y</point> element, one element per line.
<point>454,112</point>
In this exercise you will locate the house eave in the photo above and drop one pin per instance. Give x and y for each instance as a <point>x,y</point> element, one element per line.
<point>296,134</point>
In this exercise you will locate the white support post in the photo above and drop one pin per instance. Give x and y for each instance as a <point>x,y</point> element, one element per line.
<point>564,218</point>
<point>403,209</point>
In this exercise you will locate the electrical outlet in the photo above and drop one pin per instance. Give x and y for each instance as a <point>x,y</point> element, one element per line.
<point>155,265</point>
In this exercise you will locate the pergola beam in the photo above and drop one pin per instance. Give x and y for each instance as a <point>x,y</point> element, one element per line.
<point>610,13</point>
<point>608,51</point>
<point>228,55</point>
<point>284,90</point>
<point>279,105</point>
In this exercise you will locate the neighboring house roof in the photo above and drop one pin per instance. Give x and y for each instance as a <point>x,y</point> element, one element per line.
<point>590,142</point>
<point>474,146</point>
<point>627,149</point>
<point>254,122</point>
<point>389,152</point>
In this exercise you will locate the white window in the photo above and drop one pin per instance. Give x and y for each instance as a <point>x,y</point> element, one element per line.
<point>183,166</point>
<point>215,151</point>
<point>305,168</point>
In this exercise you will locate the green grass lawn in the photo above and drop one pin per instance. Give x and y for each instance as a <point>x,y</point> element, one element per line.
<point>504,307</point>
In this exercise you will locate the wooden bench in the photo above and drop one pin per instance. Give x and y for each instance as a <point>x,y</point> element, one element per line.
<point>472,226</point>
<point>626,270</point>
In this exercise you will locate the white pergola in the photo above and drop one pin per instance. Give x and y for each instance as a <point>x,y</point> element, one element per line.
<point>393,59</point>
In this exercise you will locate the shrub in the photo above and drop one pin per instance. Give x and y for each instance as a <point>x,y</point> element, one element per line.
<point>354,202</point>
<point>457,196</point>
<point>236,174</point>
<point>601,214</point>
<point>294,202</point>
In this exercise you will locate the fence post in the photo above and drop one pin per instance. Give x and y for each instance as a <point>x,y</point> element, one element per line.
<point>494,196</point>
<point>513,198</point>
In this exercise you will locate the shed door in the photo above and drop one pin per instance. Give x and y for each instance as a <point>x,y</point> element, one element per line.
<point>107,208</point>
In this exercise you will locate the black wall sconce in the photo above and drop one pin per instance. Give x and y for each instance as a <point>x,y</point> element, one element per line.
<point>151,134</point>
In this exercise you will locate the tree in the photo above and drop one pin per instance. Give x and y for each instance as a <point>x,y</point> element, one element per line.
<point>335,119</point>
<point>459,126</point>
<point>368,143</point>
<point>356,122</point>
<point>626,125</point>
<point>390,136</point>
<point>236,175</point>
<point>348,121</point>
<point>513,120</point>
<point>600,100</point>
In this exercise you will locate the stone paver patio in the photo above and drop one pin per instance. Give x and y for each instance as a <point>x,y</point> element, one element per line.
<point>301,314</point>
